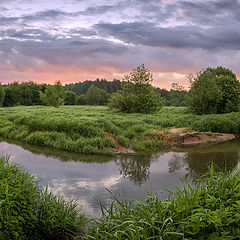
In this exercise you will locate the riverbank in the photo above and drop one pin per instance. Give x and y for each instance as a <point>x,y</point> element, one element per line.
<point>208,209</point>
<point>88,129</point>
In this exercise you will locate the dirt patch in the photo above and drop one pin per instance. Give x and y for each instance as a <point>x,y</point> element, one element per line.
<point>196,138</point>
<point>119,148</point>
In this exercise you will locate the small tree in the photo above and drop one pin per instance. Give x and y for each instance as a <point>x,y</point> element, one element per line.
<point>2,95</point>
<point>54,95</point>
<point>71,98</point>
<point>214,90</point>
<point>96,96</point>
<point>137,95</point>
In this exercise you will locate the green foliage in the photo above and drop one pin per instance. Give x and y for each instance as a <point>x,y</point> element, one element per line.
<point>82,87</point>
<point>26,93</point>
<point>70,98</point>
<point>208,210</point>
<point>96,96</point>
<point>81,100</point>
<point>54,95</point>
<point>137,95</point>
<point>215,90</point>
<point>29,213</point>
<point>2,95</point>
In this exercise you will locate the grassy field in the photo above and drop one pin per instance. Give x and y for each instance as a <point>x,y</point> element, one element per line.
<point>100,130</point>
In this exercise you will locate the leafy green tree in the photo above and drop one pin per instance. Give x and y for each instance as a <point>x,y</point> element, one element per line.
<point>81,100</point>
<point>2,95</point>
<point>214,90</point>
<point>54,95</point>
<point>137,94</point>
<point>96,96</point>
<point>71,98</point>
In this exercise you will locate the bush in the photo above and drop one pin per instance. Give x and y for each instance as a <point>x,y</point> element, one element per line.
<point>137,95</point>
<point>81,100</point>
<point>96,96</point>
<point>71,98</point>
<point>27,212</point>
<point>215,90</point>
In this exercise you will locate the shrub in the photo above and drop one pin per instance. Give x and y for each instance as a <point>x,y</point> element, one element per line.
<point>71,98</point>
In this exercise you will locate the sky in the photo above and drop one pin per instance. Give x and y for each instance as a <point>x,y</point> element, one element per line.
<point>76,40</point>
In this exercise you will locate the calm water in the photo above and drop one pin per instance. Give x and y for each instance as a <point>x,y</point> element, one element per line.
<point>86,177</point>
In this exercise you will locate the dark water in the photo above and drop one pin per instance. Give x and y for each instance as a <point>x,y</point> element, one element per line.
<point>86,177</point>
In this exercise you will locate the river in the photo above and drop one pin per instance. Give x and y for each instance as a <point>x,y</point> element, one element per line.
<point>86,178</point>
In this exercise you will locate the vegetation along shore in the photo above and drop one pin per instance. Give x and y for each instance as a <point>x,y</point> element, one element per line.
<point>101,130</point>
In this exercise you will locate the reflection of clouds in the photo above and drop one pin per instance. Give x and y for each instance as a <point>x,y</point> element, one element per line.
<point>86,182</point>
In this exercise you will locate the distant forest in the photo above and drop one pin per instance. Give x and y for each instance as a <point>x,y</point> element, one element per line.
<point>28,93</point>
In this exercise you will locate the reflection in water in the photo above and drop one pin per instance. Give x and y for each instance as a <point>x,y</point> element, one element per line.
<point>135,168</point>
<point>86,177</point>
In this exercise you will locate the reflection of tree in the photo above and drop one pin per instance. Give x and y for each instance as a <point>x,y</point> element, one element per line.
<point>135,168</point>
<point>197,161</point>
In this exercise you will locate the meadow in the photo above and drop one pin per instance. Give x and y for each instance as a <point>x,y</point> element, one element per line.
<point>89,129</point>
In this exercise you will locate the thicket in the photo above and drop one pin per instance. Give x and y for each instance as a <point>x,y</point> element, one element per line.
<point>137,95</point>
<point>30,213</point>
<point>208,209</point>
<point>214,90</point>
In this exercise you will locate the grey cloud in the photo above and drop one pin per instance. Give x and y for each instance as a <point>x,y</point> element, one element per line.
<point>177,37</point>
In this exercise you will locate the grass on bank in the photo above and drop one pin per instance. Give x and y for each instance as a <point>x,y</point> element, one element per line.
<point>88,129</point>
<point>29,213</point>
<point>209,210</point>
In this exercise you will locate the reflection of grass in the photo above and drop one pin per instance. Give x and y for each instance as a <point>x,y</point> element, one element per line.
<point>208,211</point>
<point>27,212</point>
<point>85,129</point>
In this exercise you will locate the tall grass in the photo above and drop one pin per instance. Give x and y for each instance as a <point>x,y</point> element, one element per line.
<point>28,212</point>
<point>208,210</point>
<point>82,128</point>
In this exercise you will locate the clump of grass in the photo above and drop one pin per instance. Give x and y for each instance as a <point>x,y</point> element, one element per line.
<point>27,212</point>
<point>208,210</point>
<point>146,145</point>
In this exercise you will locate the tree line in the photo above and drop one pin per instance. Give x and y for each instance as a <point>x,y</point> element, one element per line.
<point>213,90</point>
<point>88,92</point>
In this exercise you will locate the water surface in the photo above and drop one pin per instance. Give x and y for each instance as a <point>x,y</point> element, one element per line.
<point>86,177</point>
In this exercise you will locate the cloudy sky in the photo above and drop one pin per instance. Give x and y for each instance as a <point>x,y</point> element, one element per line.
<point>75,40</point>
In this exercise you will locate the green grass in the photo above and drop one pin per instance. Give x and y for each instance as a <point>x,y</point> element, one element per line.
<point>209,210</point>
<point>29,213</point>
<point>83,128</point>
